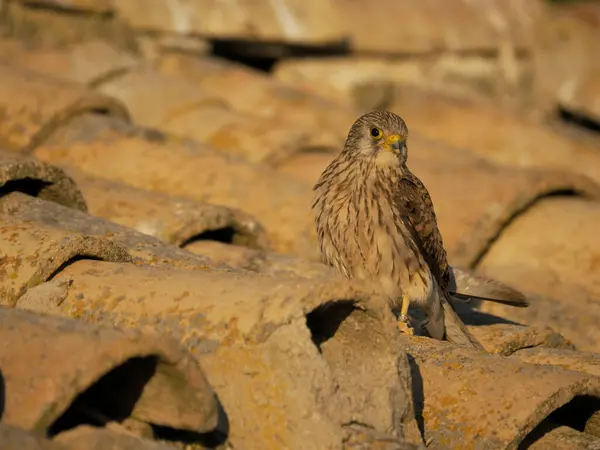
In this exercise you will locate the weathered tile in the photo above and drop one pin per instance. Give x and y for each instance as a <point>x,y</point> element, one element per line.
<point>506,339</point>
<point>109,148</point>
<point>273,348</point>
<point>494,133</point>
<point>32,253</point>
<point>564,438</point>
<point>555,235</point>
<point>569,359</point>
<point>184,110</point>
<point>27,174</point>
<point>13,438</point>
<point>86,233</point>
<point>255,93</point>
<point>290,21</point>
<point>556,260</point>
<point>73,368</point>
<point>32,106</point>
<point>433,26</point>
<point>468,48</point>
<point>175,220</point>
<point>87,62</point>
<point>255,260</point>
<point>452,387</point>
<point>567,308</point>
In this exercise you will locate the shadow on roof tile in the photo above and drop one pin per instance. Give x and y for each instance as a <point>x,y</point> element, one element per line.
<point>29,175</point>
<point>74,369</point>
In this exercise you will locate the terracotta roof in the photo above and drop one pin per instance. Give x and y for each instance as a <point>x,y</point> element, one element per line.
<point>160,283</point>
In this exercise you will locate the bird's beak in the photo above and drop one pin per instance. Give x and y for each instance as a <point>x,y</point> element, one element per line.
<point>393,143</point>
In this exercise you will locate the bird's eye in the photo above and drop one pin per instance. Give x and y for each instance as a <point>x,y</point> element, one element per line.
<point>376,133</point>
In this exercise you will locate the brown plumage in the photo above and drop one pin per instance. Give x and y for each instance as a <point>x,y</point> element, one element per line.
<point>376,222</point>
<point>414,200</point>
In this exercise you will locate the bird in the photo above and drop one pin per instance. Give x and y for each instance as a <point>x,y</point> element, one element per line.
<point>375,222</point>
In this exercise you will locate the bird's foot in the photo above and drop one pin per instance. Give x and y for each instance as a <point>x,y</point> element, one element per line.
<point>404,325</point>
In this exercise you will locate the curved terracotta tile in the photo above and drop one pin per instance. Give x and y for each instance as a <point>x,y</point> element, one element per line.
<point>109,148</point>
<point>141,248</point>
<point>273,348</point>
<point>86,62</point>
<point>27,174</point>
<point>505,339</point>
<point>566,308</point>
<point>566,358</point>
<point>496,134</point>
<point>563,438</point>
<point>452,387</point>
<point>174,220</point>
<point>473,210</point>
<point>557,236</point>
<point>42,105</point>
<point>185,110</point>
<point>32,253</point>
<point>258,94</point>
<point>255,260</point>
<point>551,251</point>
<point>121,373</point>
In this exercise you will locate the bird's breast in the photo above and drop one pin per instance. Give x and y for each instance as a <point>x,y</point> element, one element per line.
<point>364,236</point>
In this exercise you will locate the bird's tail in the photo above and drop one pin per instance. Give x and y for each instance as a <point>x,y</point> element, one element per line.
<point>456,331</point>
<point>443,321</point>
<point>467,286</point>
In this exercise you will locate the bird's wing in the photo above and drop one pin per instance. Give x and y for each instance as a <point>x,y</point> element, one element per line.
<point>415,204</point>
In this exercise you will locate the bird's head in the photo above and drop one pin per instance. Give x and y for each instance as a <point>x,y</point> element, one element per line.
<point>380,135</point>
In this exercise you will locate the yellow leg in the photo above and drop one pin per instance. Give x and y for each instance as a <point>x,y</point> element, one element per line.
<point>404,308</point>
<point>403,321</point>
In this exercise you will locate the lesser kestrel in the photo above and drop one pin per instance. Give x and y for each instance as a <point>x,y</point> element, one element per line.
<point>376,222</point>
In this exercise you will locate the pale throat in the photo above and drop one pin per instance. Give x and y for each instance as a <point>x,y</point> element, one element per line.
<point>386,159</point>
